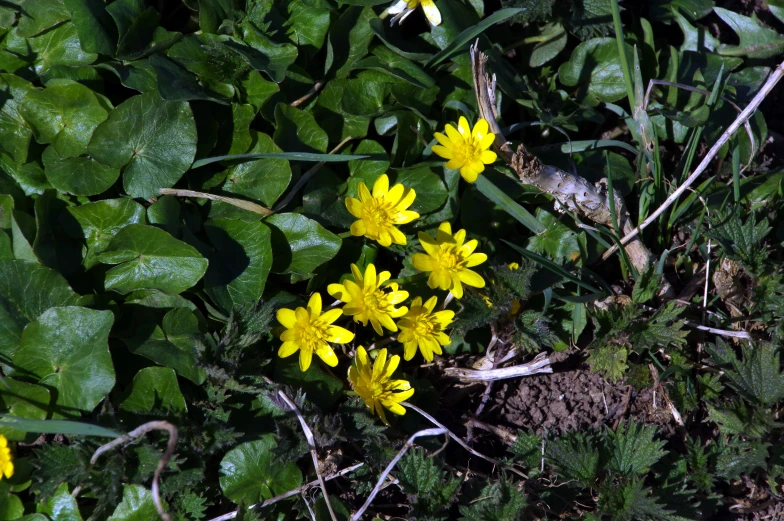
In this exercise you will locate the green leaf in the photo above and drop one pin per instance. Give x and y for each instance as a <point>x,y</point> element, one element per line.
<point>290,156</point>
<point>574,456</point>
<point>349,39</point>
<point>149,258</point>
<point>241,261</point>
<point>497,501</point>
<point>756,41</point>
<point>65,115</point>
<point>610,360</point>
<point>262,53</point>
<point>15,132</point>
<point>297,130</point>
<point>57,47</point>
<point>137,505</point>
<point>67,349</point>
<point>396,66</point>
<point>22,400</point>
<point>11,507</point>
<point>299,244</point>
<point>647,286</point>
<point>137,26</point>
<point>558,241</point>
<point>408,46</point>
<point>96,29</point>
<point>61,506</point>
<point>553,42</point>
<point>471,33</point>
<point>78,175</point>
<point>492,192</point>
<point>56,427</point>
<point>27,289</point>
<point>595,66</point>
<point>250,476</point>
<point>39,15</point>
<point>320,387</point>
<point>264,180</point>
<point>154,140</point>
<point>177,84</point>
<point>430,190</point>
<point>758,377</point>
<point>102,220</point>
<point>154,389</point>
<point>307,25</point>
<point>632,450</point>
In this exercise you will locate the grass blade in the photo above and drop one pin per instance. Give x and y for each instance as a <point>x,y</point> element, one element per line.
<point>56,427</point>
<point>550,265</point>
<point>492,192</point>
<point>291,156</point>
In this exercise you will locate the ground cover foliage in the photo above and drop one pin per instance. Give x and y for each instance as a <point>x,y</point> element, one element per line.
<point>121,304</point>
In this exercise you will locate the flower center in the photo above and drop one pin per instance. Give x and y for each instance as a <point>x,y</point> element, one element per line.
<point>425,326</point>
<point>378,212</point>
<point>466,150</point>
<point>450,258</point>
<point>313,334</point>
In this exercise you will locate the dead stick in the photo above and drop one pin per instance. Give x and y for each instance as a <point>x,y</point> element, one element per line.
<point>744,116</point>
<point>398,456</point>
<point>239,203</point>
<point>539,365</point>
<point>141,430</point>
<point>312,447</point>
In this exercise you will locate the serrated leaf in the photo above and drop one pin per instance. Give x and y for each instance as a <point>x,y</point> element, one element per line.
<point>248,474</point>
<point>67,349</point>
<point>609,360</point>
<point>756,41</point>
<point>149,258</point>
<point>574,456</point>
<point>632,449</point>
<point>154,140</point>
<point>758,377</point>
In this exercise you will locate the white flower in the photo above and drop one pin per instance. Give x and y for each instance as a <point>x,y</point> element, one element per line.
<point>403,8</point>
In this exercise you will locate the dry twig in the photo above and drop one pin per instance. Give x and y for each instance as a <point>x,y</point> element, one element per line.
<point>141,430</point>
<point>239,203</point>
<point>312,447</point>
<point>539,365</point>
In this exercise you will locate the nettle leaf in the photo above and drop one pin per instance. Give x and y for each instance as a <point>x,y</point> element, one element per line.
<point>154,389</point>
<point>27,289</point>
<point>632,450</point>
<point>557,241</point>
<point>758,377</point>
<point>631,501</point>
<point>15,132</point>
<point>663,329</point>
<point>497,501</point>
<point>78,175</point>
<point>149,258</point>
<point>265,179</point>
<point>67,349</point>
<point>742,457</point>
<point>299,244</point>
<point>595,67</point>
<point>65,115</point>
<point>741,241</point>
<point>137,505</point>
<point>742,419</point>
<point>527,448</point>
<point>241,262</point>
<point>647,286</point>
<point>297,130</point>
<point>155,140</point>
<point>102,220</point>
<point>574,456</point>
<point>249,474</point>
<point>609,360</point>
<point>756,41</point>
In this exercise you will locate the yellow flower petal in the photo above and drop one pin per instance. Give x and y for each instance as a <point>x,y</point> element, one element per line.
<point>286,317</point>
<point>463,127</point>
<point>288,349</point>
<point>314,304</point>
<point>327,355</point>
<point>305,357</point>
<point>442,150</point>
<point>471,278</point>
<point>475,260</point>
<point>381,186</point>
<point>431,11</point>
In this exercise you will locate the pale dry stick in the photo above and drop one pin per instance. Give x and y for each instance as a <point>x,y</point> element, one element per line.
<point>290,493</point>
<point>459,440</point>
<point>239,203</point>
<point>306,177</point>
<point>312,447</point>
<point>539,365</point>
<point>721,332</point>
<point>141,430</point>
<point>744,116</point>
<point>656,383</point>
<point>398,456</point>
<point>313,90</point>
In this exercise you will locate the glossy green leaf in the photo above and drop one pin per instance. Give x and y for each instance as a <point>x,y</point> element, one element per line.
<point>264,180</point>
<point>297,130</point>
<point>22,400</point>
<point>78,175</point>
<point>263,54</point>
<point>67,349</point>
<point>27,289</point>
<point>557,241</point>
<point>178,84</point>
<point>154,140</point>
<point>137,26</point>
<point>349,38</point>
<point>299,244</point>
<point>154,389</point>
<point>61,506</point>
<point>240,263</point>
<point>430,189</point>
<point>149,258</point>
<point>59,47</point>
<point>15,132</point>
<point>102,220</point>
<point>249,475</point>
<point>64,115</point>
<point>386,61</point>
<point>95,27</point>
<point>408,46</point>
<point>39,15</point>
<point>307,25</point>
<point>595,66</point>
<point>137,505</point>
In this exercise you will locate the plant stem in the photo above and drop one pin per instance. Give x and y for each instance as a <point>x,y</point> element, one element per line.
<point>627,73</point>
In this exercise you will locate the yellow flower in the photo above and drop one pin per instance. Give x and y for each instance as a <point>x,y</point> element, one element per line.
<point>448,258</point>
<point>379,212</point>
<point>488,302</point>
<point>366,300</point>
<point>422,328</point>
<point>373,384</point>
<point>309,330</point>
<point>403,8</point>
<point>466,149</point>
<point>6,465</point>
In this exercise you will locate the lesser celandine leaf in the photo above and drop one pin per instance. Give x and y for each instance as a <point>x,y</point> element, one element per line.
<point>15,132</point>
<point>78,175</point>
<point>67,349</point>
<point>595,66</point>
<point>154,388</point>
<point>299,244</point>
<point>97,31</point>
<point>297,131</point>
<point>137,505</point>
<point>61,506</point>
<point>249,474</point>
<point>23,400</point>
<point>102,220</point>
<point>264,180</point>
<point>154,140</point>
<point>149,258</point>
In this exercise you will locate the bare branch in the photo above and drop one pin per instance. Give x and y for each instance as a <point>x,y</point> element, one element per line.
<point>312,447</point>
<point>539,365</point>
<point>239,203</point>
